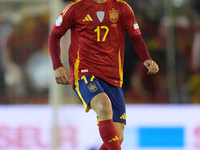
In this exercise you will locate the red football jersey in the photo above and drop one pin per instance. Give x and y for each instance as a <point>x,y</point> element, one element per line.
<point>97,37</point>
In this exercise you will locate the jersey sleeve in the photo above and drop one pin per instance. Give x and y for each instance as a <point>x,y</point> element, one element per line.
<point>140,48</point>
<point>64,21</point>
<point>131,26</point>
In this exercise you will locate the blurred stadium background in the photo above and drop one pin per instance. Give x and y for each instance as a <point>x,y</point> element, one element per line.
<point>163,110</point>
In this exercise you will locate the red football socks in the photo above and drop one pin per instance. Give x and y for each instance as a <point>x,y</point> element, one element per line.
<point>103,147</point>
<point>109,135</point>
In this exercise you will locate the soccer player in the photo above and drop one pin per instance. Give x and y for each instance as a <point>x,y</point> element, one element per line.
<point>96,57</point>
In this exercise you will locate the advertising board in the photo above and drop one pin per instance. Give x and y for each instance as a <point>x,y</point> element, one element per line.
<point>149,127</point>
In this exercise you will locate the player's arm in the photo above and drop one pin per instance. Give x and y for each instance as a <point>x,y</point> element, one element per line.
<point>143,53</point>
<point>61,74</point>
<point>134,33</point>
<point>62,24</point>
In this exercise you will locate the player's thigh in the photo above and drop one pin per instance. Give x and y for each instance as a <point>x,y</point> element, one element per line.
<point>89,89</point>
<point>102,106</point>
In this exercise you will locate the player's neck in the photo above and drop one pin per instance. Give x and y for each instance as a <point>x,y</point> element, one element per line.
<point>100,1</point>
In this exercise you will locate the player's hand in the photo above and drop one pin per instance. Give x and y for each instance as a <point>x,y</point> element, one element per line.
<point>62,76</point>
<point>151,66</point>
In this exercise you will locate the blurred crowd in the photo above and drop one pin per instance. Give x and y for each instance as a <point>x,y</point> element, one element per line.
<point>25,66</point>
<point>142,88</point>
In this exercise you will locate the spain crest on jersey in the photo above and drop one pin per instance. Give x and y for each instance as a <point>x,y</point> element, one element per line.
<point>114,15</point>
<point>92,87</point>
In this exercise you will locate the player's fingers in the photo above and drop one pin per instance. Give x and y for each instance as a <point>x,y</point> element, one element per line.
<point>153,68</point>
<point>63,80</point>
<point>151,65</point>
<point>146,64</point>
<point>66,79</point>
<point>58,80</point>
<point>157,68</point>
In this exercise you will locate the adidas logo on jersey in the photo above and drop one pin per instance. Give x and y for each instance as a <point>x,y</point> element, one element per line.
<point>87,18</point>
<point>123,116</point>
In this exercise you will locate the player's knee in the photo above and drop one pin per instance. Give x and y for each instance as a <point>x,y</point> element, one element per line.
<point>105,110</point>
<point>102,106</point>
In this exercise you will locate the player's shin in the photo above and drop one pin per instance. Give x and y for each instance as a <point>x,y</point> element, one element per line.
<point>109,135</point>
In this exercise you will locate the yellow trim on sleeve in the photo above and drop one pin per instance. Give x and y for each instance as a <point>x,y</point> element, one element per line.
<point>126,4</point>
<point>68,6</point>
